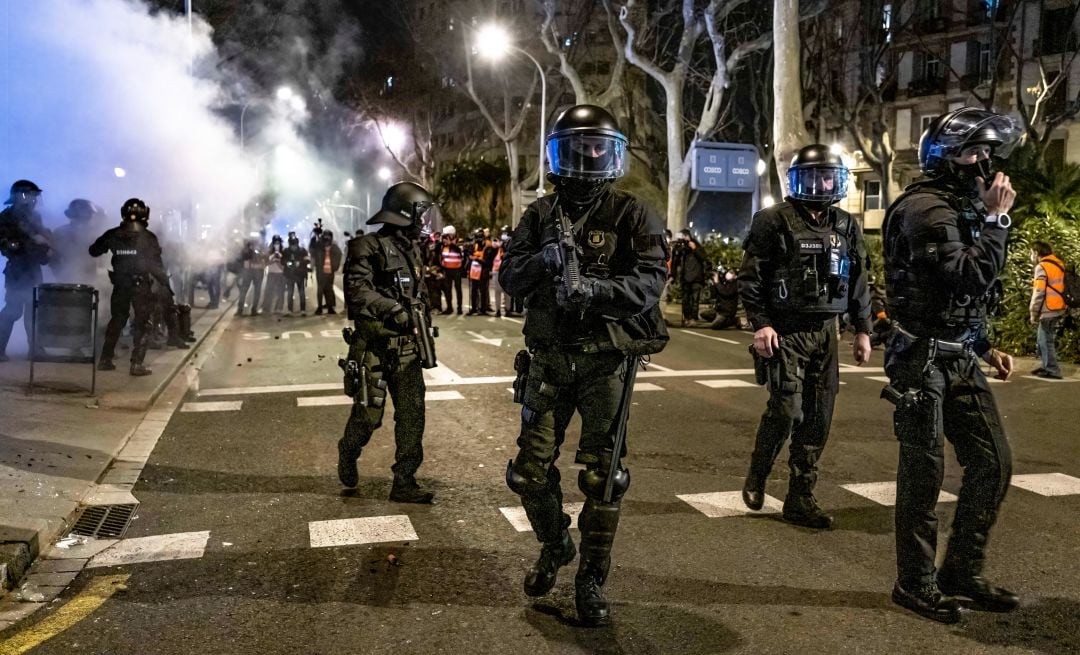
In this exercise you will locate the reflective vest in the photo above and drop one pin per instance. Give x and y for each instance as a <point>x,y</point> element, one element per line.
<point>476,270</point>
<point>451,258</point>
<point>1054,283</point>
<point>498,261</point>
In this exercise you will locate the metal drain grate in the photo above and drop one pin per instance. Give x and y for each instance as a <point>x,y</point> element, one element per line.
<point>105,521</point>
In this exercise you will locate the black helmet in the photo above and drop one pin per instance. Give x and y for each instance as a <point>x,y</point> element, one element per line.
<point>403,205</point>
<point>22,187</point>
<point>80,208</point>
<point>136,211</point>
<point>585,142</point>
<point>948,134</point>
<point>817,176</point>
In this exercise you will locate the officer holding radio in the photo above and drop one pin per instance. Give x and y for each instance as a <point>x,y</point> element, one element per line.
<point>805,264</point>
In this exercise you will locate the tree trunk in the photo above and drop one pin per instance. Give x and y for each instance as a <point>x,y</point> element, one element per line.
<point>513,164</point>
<point>890,190</point>
<point>789,126</point>
<point>678,190</point>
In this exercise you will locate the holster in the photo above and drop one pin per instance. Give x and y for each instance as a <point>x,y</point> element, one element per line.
<point>917,419</point>
<point>522,362</point>
<point>771,372</point>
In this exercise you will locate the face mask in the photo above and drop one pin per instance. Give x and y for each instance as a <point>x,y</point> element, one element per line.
<point>579,191</point>
<point>966,174</point>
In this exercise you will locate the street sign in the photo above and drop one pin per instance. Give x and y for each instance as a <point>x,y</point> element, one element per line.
<point>728,167</point>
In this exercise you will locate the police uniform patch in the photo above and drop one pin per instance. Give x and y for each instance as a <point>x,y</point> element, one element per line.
<point>596,238</point>
<point>834,240</point>
<point>811,246</point>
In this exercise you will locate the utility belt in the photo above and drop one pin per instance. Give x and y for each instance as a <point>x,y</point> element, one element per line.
<point>941,349</point>
<point>804,323</point>
<point>129,279</point>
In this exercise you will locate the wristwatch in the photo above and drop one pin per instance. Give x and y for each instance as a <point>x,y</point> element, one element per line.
<point>1002,220</point>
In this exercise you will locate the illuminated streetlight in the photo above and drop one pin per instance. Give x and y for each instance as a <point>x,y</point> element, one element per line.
<point>836,149</point>
<point>349,183</point>
<point>493,42</point>
<point>384,174</point>
<point>119,172</point>
<point>393,136</point>
<point>285,93</point>
<point>767,201</point>
<point>761,165</point>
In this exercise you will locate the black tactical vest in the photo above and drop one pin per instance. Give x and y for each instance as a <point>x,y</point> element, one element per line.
<point>814,266</point>
<point>400,277</point>
<point>915,295</point>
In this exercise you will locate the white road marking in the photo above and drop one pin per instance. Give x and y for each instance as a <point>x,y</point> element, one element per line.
<point>443,395</point>
<point>219,406</point>
<point>647,386</point>
<point>655,366</point>
<point>1048,484</point>
<point>339,293</point>
<point>160,548</point>
<point>488,341</point>
<point>517,518</point>
<point>706,336</point>
<point>368,530</point>
<point>722,504</point>
<point>1036,377</point>
<point>878,378</point>
<point>725,384</point>
<point>282,388</point>
<point>884,493</point>
<point>513,320</point>
<point>323,401</point>
<point>441,375</point>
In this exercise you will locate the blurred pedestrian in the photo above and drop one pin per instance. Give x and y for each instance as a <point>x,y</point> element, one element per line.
<point>1047,307</point>
<point>688,268</point>
<point>326,257</point>
<point>26,244</point>
<point>252,269</point>
<point>297,265</point>
<point>274,300</point>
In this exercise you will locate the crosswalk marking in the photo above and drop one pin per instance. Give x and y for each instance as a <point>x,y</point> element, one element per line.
<point>1048,484</point>
<point>884,493</point>
<point>280,388</point>
<point>366,530</point>
<point>159,548</point>
<point>218,406</point>
<point>1036,377</point>
<point>725,384</point>
<point>323,401</point>
<point>722,504</point>
<point>647,386</point>
<point>707,336</point>
<point>878,378</point>
<point>517,518</point>
<point>443,395</point>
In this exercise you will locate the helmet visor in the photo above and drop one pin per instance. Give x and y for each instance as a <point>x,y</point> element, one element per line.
<point>818,183</point>
<point>1000,132</point>
<point>587,156</point>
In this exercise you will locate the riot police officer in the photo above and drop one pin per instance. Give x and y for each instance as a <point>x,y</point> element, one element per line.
<point>805,263</point>
<point>26,244</point>
<point>387,300</point>
<point>582,343</point>
<point>136,269</point>
<point>945,246</point>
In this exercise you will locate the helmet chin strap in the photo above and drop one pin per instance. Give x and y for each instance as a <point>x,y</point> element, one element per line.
<point>966,174</point>
<point>579,191</point>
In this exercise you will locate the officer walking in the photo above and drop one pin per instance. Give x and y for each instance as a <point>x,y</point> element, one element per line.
<point>580,344</point>
<point>805,263</point>
<point>386,298</point>
<point>136,267</point>
<point>945,246</point>
<point>26,244</point>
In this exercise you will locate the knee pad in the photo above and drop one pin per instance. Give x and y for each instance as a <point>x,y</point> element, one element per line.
<point>529,416</point>
<point>593,480</point>
<point>520,479</point>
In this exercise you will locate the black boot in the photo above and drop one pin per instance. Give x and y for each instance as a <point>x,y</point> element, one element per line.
<point>975,592</point>
<point>106,364</point>
<point>405,490</point>
<point>803,510</point>
<point>139,370</point>
<point>541,577</point>
<point>598,523</point>
<point>753,491</point>
<point>927,600</point>
<point>346,465</point>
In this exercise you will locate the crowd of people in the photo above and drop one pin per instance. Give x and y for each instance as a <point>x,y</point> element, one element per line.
<point>448,258</point>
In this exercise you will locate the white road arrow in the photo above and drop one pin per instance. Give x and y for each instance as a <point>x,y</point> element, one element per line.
<point>479,338</point>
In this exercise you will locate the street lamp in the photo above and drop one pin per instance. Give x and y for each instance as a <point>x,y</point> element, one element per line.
<point>384,174</point>
<point>493,42</point>
<point>283,93</point>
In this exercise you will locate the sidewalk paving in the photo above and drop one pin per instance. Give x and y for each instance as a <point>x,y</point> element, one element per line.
<point>56,442</point>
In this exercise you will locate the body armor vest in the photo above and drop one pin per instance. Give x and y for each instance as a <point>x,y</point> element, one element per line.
<point>399,278</point>
<point>915,295</point>
<point>811,276</point>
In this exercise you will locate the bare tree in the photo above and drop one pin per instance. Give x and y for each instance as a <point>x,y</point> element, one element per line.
<point>789,127</point>
<point>714,28</point>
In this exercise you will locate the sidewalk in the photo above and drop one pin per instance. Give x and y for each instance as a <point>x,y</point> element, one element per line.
<point>56,442</point>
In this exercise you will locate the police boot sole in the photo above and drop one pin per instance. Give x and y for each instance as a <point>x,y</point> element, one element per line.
<point>947,612</point>
<point>816,522</point>
<point>106,366</point>
<point>543,583</point>
<point>754,500</point>
<point>1002,603</point>
<point>413,497</point>
<point>346,469</point>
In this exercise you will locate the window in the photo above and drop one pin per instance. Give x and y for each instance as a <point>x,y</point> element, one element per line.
<point>924,122</point>
<point>929,9</point>
<point>1055,32</point>
<point>886,21</point>
<point>983,61</point>
<point>932,67</point>
<point>871,195</point>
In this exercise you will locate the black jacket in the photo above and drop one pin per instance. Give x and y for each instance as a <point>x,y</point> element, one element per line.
<point>296,262</point>
<point>688,265</point>
<point>617,227</point>
<point>318,257</point>
<point>383,275</point>
<point>24,241</point>
<point>135,251</point>
<point>941,259</point>
<point>771,246</point>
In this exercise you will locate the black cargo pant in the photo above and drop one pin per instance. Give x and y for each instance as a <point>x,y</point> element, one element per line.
<point>804,378</point>
<point>560,383</point>
<point>392,366</point>
<point>452,284</point>
<point>324,291</point>
<point>18,303</point>
<point>691,300</point>
<point>958,405</point>
<point>129,293</point>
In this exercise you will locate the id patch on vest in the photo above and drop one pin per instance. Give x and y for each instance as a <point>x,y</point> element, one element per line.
<point>811,246</point>
<point>596,238</point>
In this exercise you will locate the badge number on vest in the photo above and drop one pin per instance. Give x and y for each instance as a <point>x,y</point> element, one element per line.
<point>811,246</point>
<point>596,238</point>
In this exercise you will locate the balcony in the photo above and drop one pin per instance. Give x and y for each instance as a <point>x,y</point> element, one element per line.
<point>926,86</point>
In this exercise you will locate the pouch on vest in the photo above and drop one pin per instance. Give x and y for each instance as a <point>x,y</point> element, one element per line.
<point>476,270</point>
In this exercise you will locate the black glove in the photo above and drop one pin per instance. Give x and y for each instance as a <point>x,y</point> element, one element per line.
<point>400,318</point>
<point>594,293</point>
<point>552,255</point>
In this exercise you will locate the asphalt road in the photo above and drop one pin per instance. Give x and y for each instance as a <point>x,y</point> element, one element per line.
<point>254,483</point>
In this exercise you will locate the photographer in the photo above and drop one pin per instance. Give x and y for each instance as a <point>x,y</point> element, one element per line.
<point>688,267</point>
<point>25,243</point>
<point>297,265</point>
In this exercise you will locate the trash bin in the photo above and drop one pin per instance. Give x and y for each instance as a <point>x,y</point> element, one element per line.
<point>64,327</point>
